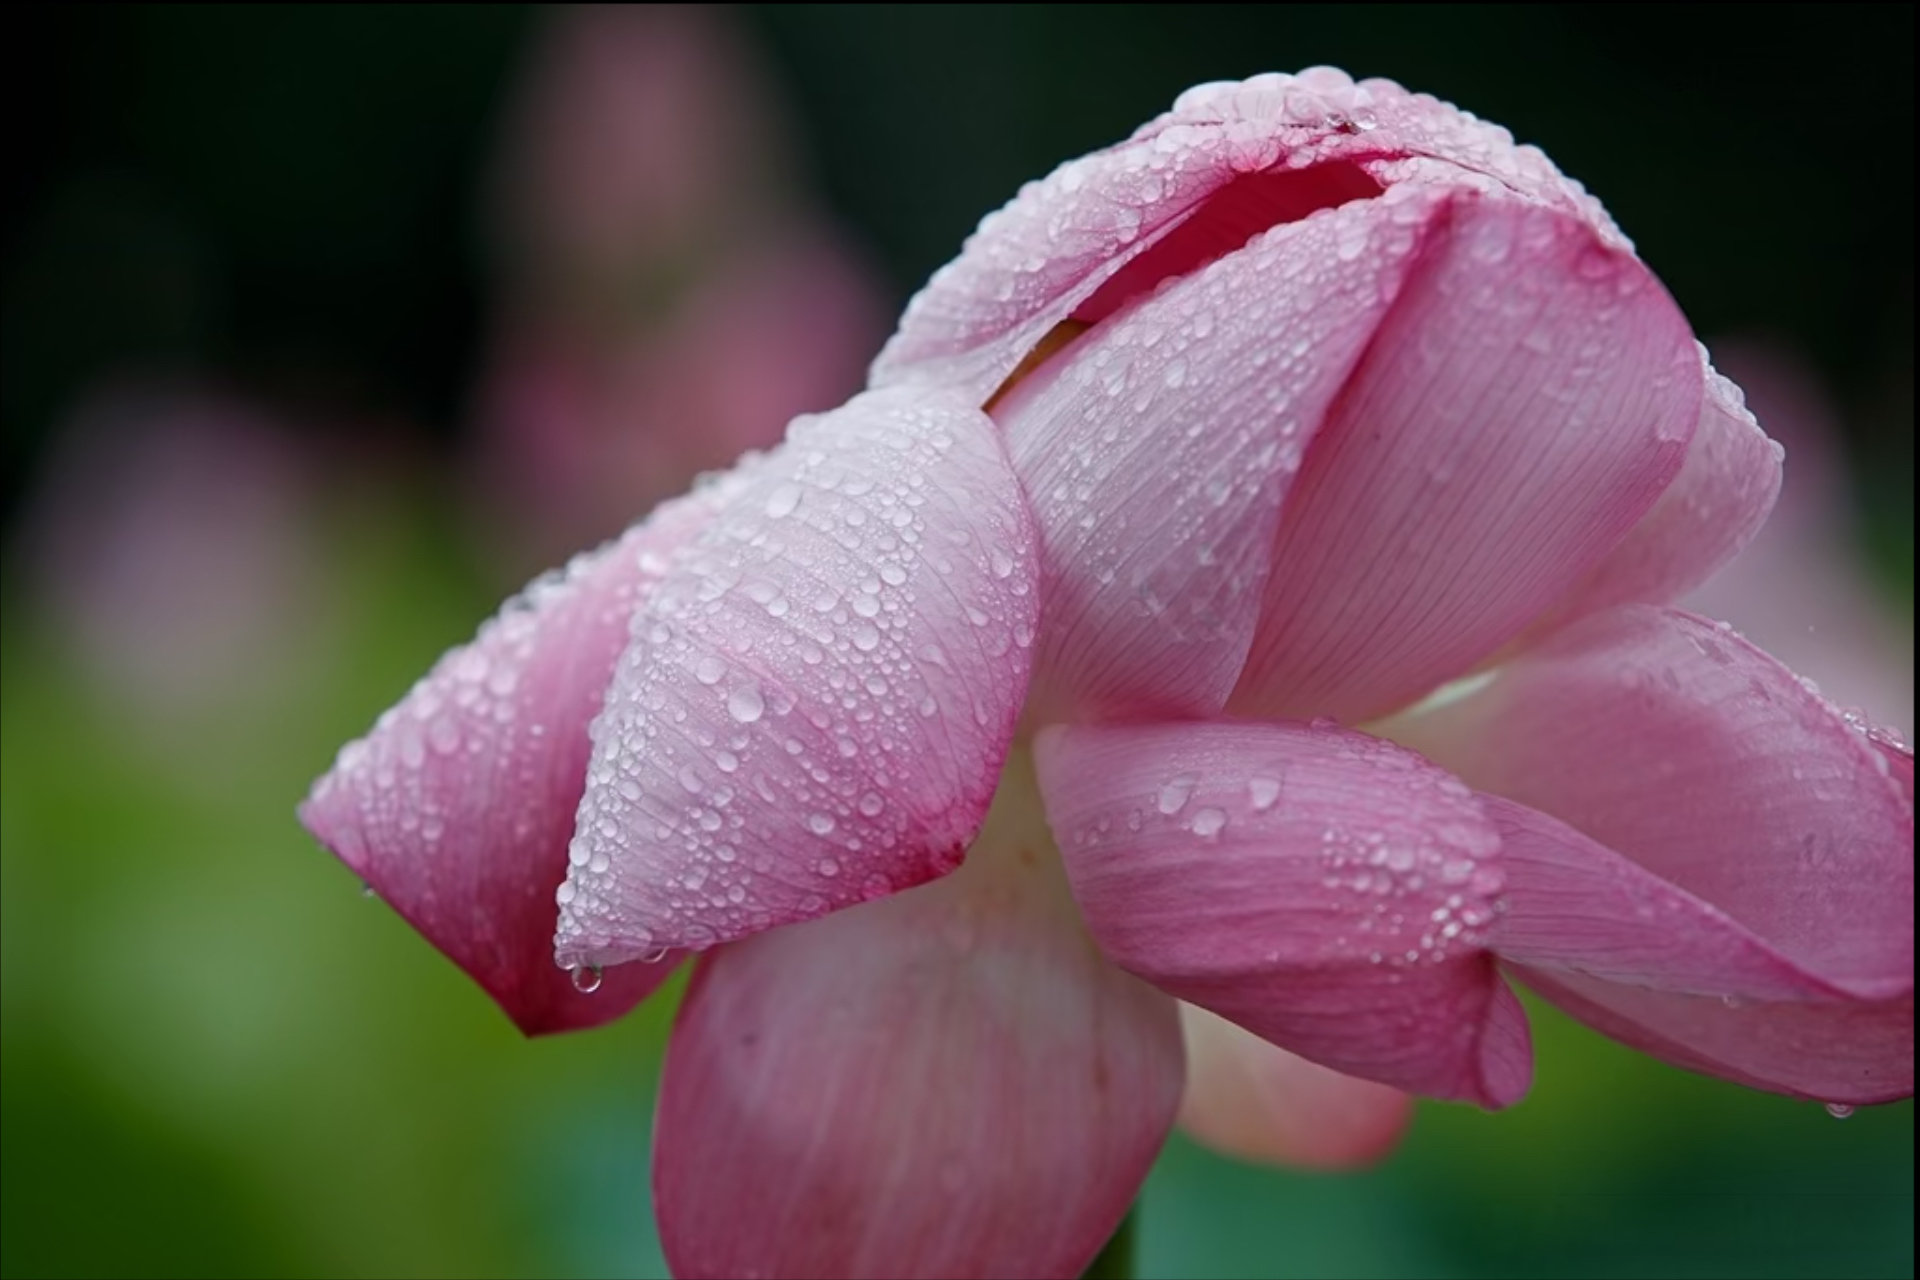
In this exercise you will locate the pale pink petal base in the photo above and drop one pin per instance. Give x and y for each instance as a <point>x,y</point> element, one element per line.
<point>1324,889</point>
<point>1248,1099</point>
<point>458,806</point>
<point>815,704</point>
<point>949,1083</point>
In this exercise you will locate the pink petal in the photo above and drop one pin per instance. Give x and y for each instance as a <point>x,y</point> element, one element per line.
<point>1048,254</point>
<point>1158,449</point>
<point>1575,905</point>
<point>1855,1052</point>
<point>948,1083</point>
<point>1248,1099</point>
<point>1326,890</point>
<point>814,706</point>
<point>458,806</point>
<point>1677,744</point>
<point>1528,397</point>
<point>1708,514</point>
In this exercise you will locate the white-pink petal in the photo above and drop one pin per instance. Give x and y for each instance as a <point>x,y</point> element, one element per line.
<point>1710,512</point>
<point>950,1083</point>
<point>813,707</point>
<point>1528,397</point>
<point>1158,449</point>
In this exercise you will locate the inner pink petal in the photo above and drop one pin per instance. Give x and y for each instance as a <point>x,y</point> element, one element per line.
<point>1226,221</point>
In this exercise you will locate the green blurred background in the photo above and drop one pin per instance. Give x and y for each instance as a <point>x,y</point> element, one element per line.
<point>219,1059</point>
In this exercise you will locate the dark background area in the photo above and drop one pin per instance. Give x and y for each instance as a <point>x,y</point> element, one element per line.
<point>286,195</point>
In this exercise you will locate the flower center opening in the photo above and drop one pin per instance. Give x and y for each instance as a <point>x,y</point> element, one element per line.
<point>1219,225</point>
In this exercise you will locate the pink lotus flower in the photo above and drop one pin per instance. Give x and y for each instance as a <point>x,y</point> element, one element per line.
<point>966,743</point>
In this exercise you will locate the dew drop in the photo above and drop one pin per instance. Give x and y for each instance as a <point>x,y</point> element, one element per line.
<point>368,891</point>
<point>1839,1110</point>
<point>1208,823</point>
<point>654,956</point>
<point>1173,796</point>
<point>782,501</point>
<point>821,824</point>
<point>1264,792</point>
<point>745,703</point>
<point>709,670</point>
<point>586,978</point>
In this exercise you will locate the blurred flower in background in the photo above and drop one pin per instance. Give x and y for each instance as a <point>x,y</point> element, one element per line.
<point>174,544</point>
<point>670,296</point>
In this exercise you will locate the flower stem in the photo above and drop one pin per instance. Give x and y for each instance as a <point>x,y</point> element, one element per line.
<point>1115,1260</point>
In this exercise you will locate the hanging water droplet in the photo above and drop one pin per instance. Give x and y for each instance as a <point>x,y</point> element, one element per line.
<point>586,978</point>
<point>368,891</point>
<point>654,956</point>
<point>1839,1110</point>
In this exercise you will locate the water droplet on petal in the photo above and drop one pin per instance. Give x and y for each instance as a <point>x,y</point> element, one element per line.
<point>1839,1110</point>
<point>1264,792</point>
<point>782,501</point>
<point>745,703</point>
<point>586,978</point>
<point>1173,796</point>
<point>1208,823</point>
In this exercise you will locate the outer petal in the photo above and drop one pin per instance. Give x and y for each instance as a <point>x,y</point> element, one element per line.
<point>1046,255</point>
<point>814,706</point>
<point>1680,746</point>
<point>952,1082</point>
<point>1528,397</point>
<point>1708,514</point>
<point>1158,450</point>
<point>1656,967</point>
<point>1248,1099</point>
<point>1573,904</point>
<point>1854,1052</point>
<point>458,806</point>
<point>1326,890</point>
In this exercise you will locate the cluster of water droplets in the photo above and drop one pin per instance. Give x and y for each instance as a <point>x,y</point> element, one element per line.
<point>808,708</point>
<point>1031,263</point>
<point>1415,863</point>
